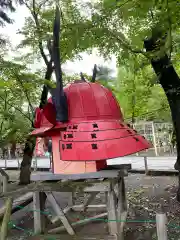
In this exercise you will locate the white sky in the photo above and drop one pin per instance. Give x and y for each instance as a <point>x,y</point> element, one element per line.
<point>85,65</point>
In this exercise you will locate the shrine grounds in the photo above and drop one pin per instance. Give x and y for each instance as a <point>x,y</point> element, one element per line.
<point>145,195</point>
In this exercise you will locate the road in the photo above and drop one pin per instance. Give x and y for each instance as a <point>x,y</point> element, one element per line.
<point>154,163</point>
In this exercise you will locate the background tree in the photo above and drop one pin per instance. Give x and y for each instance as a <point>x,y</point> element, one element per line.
<point>18,96</point>
<point>104,73</point>
<point>129,27</point>
<point>139,93</point>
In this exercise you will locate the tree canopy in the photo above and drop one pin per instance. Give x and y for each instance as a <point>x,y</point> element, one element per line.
<point>113,28</point>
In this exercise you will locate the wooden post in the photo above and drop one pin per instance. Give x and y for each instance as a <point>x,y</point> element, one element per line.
<point>1,185</point>
<point>4,182</point>
<point>121,207</point>
<point>7,215</point>
<point>19,165</point>
<point>111,209</point>
<point>39,199</point>
<point>146,165</point>
<point>5,163</point>
<point>161,224</point>
<point>154,139</point>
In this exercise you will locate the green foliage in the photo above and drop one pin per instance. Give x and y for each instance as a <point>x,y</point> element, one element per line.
<point>120,27</point>
<point>19,94</point>
<point>139,94</point>
<point>37,30</point>
<point>104,73</point>
<point>112,27</point>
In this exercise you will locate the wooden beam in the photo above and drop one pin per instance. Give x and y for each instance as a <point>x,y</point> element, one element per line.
<point>98,207</point>
<point>56,219</point>
<point>60,213</point>
<point>68,186</point>
<point>92,175</point>
<point>21,205</point>
<point>64,237</point>
<point>56,186</point>
<point>77,208</point>
<point>81,222</point>
<point>3,173</point>
<point>98,187</point>
<point>6,219</point>
<point>21,201</point>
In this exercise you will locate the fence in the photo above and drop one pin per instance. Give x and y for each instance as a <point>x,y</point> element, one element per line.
<point>138,163</point>
<point>160,135</point>
<point>37,163</point>
<point>160,221</point>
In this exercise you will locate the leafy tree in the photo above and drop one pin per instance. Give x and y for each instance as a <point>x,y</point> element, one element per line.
<point>104,73</point>
<point>139,94</point>
<point>147,28</point>
<point>19,95</point>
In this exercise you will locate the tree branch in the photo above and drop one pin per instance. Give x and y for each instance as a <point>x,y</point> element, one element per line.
<point>126,45</point>
<point>17,109</point>
<point>25,91</point>
<point>35,16</point>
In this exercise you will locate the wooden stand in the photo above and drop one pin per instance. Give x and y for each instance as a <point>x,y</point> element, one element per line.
<point>4,178</point>
<point>111,182</point>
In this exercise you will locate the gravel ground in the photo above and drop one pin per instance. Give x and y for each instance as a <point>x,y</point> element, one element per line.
<point>145,193</point>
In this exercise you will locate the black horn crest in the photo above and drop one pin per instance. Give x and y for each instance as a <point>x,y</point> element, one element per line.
<point>82,77</point>
<point>94,73</point>
<point>58,95</point>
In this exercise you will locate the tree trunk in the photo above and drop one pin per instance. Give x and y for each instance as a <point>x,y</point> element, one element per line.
<point>13,150</point>
<point>170,82</point>
<point>25,170</point>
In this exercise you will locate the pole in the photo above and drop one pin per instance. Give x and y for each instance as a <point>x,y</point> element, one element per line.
<point>7,215</point>
<point>5,163</point>
<point>161,225</point>
<point>5,183</point>
<point>154,139</point>
<point>146,165</point>
<point>18,161</point>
